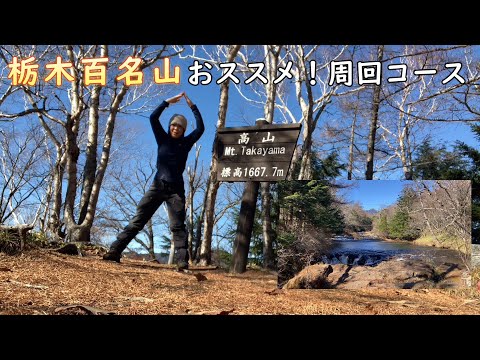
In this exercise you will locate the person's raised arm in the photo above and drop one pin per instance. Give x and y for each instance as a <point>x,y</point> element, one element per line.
<point>157,128</point>
<point>200,127</point>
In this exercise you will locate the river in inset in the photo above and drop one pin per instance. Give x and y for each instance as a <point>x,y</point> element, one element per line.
<point>370,252</point>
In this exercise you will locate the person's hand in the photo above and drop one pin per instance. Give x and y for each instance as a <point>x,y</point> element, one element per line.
<point>189,102</point>
<point>175,99</point>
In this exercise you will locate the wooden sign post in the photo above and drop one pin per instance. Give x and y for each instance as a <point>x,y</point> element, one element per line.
<point>253,154</point>
<point>256,153</point>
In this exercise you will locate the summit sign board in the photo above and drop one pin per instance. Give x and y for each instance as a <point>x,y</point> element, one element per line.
<point>256,153</point>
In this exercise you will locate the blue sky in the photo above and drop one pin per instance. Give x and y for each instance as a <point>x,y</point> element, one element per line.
<point>373,194</point>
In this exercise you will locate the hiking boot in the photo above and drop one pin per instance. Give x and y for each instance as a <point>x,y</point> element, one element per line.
<point>112,256</point>
<point>182,265</point>
<point>181,259</point>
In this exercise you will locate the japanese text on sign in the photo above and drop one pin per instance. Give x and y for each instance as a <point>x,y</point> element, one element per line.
<point>256,153</point>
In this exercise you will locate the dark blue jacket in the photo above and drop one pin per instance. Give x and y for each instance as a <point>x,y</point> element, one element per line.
<point>173,153</point>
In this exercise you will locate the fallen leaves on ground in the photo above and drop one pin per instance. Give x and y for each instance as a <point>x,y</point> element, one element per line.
<point>44,282</point>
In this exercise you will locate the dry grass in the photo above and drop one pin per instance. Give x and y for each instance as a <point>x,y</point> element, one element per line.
<point>41,282</point>
<point>447,243</point>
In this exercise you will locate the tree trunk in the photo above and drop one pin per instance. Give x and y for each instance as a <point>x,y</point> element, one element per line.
<point>54,222</point>
<point>310,124</point>
<point>151,240</point>
<point>268,256</point>
<point>78,233</point>
<point>90,168</point>
<point>190,227</point>
<point>44,220</point>
<point>105,156</point>
<point>293,164</point>
<point>373,125</point>
<point>350,150</point>
<point>272,54</point>
<point>241,245</point>
<point>212,189</point>
<point>213,184</point>
<point>405,155</point>
<point>72,157</point>
<point>198,232</point>
<point>72,151</point>
<point>191,194</point>
<point>352,142</point>
<point>306,163</point>
<point>307,114</point>
<point>171,256</point>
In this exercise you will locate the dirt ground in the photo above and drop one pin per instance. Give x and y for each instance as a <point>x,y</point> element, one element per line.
<point>45,282</point>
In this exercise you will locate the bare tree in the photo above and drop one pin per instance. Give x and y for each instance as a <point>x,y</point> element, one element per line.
<point>446,211</point>
<point>314,94</point>
<point>23,172</point>
<point>409,105</point>
<point>69,105</point>
<point>373,122</point>
<point>351,148</point>
<point>410,108</point>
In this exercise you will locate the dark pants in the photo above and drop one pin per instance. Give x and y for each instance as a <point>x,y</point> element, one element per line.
<point>160,191</point>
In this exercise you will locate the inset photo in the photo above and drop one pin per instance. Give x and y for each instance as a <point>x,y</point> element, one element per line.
<point>374,234</point>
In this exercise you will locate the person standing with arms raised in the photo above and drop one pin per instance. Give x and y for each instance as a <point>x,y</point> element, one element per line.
<point>168,185</point>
